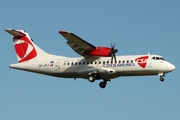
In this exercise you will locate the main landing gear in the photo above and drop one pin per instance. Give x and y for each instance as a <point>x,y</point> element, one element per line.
<point>103,84</point>
<point>93,77</point>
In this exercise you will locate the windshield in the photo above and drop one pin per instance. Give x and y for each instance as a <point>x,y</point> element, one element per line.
<point>158,58</point>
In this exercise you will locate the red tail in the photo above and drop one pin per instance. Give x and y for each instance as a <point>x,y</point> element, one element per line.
<point>23,44</point>
<point>25,50</point>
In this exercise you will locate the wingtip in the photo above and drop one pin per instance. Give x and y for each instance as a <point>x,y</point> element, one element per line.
<point>8,30</point>
<point>63,32</point>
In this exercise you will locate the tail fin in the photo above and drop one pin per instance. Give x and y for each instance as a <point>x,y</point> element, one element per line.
<point>25,49</point>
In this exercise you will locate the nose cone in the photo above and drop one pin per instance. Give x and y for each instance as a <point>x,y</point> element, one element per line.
<point>171,67</point>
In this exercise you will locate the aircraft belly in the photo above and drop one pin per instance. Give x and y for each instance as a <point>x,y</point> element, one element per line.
<point>64,75</point>
<point>137,73</point>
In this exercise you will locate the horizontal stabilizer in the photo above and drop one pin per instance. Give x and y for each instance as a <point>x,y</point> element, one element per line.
<point>15,32</point>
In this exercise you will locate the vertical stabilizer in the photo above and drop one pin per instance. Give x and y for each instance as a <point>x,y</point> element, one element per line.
<point>25,49</point>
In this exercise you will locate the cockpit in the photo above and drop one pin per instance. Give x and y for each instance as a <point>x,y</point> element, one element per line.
<point>158,58</point>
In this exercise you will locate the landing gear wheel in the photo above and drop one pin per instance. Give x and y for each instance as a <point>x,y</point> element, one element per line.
<point>161,79</point>
<point>91,78</point>
<point>102,84</point>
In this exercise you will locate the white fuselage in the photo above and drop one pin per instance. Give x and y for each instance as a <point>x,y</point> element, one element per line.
<point>133,65</point>
<point>92,67</point>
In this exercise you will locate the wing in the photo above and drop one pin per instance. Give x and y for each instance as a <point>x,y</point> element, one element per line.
<point>79,45</point>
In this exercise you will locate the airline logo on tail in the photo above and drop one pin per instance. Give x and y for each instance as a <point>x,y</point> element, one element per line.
<point>142,61</point>
<point>23,45</point>
<point>25,50</point>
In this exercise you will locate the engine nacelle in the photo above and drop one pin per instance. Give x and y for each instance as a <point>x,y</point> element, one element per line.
<point>100,51</point>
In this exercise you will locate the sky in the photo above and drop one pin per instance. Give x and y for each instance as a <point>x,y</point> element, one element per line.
<point>136,26</point>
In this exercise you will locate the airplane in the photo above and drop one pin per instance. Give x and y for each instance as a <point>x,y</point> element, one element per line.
<point>96,63</point>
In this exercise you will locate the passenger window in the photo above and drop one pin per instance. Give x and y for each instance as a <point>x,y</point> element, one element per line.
<point>95,62</point>
<point>131,61</point>
<point>91,62</point>
<point>123,61</point>
<point>104,62</point>
<point>71,63</point>
<point>68,63</point>
<point>79,63</point>
<point>83,63</point>
<point>99,62</point>
<point>127,61</point>
<point>64,63</point>
<point>107,61</point>
<point>75,63</point>
<point>119,61</point>
<point>87,63</point>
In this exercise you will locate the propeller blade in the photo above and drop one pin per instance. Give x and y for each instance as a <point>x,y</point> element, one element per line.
<point>113,51</point>
<point>113,45</point>
<point>111,57</point>
<point>114,57</point>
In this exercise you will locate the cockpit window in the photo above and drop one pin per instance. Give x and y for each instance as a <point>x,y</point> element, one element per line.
<point>162,58</point>
<point>158,58</point>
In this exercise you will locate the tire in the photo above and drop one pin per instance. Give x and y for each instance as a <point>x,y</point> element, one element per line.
<point>91,79</point>
<point>102,84</point>
<point>161,79</point>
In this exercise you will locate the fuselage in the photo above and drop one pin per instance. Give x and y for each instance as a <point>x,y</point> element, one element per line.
<point>96,62</point>
<point>133,65</point>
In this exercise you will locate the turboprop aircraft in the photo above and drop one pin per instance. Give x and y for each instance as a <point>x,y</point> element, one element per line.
<point>96,63</point>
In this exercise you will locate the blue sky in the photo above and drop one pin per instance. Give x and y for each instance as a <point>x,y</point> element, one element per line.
<point>138,27</point>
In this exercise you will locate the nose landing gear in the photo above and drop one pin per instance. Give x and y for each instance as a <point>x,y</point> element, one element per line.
<point>161,77</point>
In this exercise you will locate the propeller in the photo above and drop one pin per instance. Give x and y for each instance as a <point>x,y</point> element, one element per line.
<point>112,53</point>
